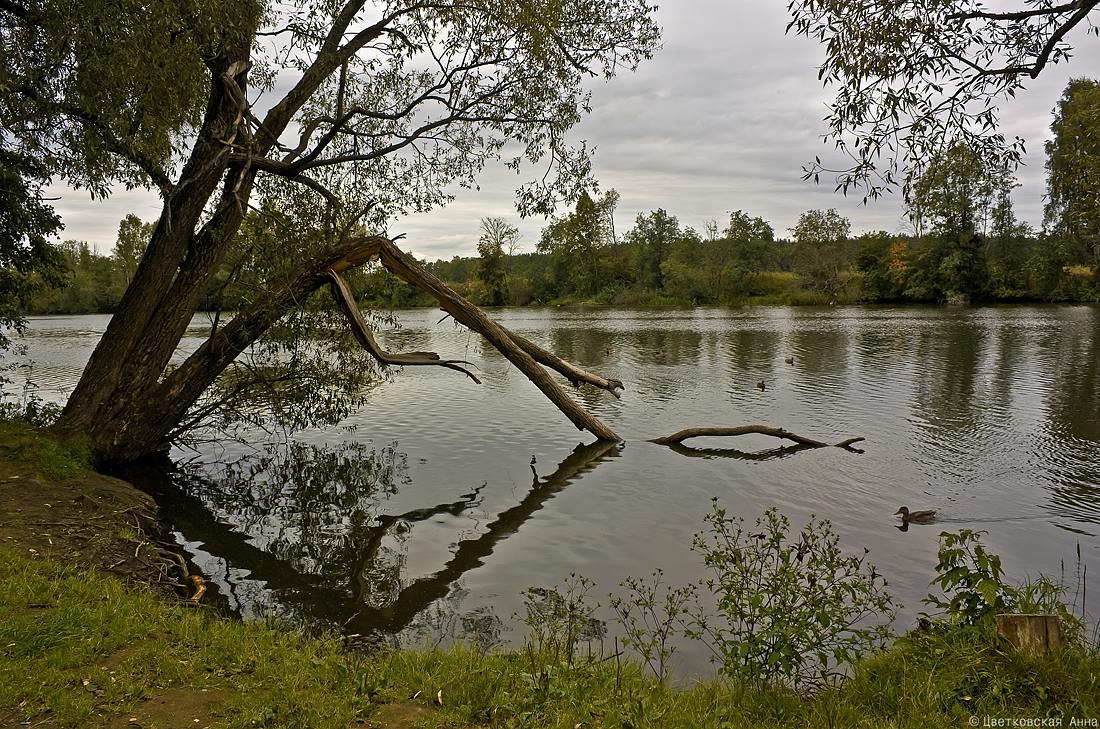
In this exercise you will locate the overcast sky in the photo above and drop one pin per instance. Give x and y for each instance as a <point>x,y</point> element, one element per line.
<point>722,118</point>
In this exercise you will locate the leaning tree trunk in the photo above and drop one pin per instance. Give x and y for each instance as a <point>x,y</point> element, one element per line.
<point>123,373</point>
<point>121,383</point>
<point>167,405</point>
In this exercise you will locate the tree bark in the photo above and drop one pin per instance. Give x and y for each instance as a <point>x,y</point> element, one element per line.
<point>344,299</point>
<point>1035,635</point>
<point>163,295</point>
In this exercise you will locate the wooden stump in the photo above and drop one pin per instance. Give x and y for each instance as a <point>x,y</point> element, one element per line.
<point>1035,635</point>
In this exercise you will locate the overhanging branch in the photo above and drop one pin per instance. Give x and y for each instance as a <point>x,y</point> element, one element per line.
<point>195,374</point>
<point>1016,15</point>
<point>341,292</point>
<point>406,268</point>
<point>107,135</point>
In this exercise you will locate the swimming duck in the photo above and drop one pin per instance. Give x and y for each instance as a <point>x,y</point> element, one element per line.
<point>789,360</point>
<point>761,386</point>
<point>915,517</point>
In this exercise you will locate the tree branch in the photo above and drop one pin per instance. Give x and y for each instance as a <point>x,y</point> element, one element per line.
<point>341,292</point>
<point>404,267</point>
<point>183,385</point>
<point>107,135</point>
<point>682,435</point>
<point>1017,15</point>
<point>330,57</point>
<point>1041,61</point>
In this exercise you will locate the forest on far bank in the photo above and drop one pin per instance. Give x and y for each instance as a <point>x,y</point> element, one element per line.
<point>965,245</point>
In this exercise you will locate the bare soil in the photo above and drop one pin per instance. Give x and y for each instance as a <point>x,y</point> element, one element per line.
<point>91,521</point>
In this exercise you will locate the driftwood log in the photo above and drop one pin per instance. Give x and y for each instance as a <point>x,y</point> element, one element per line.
<point>1035,635</point>
<point>785,451</point>
<point>527,356</point>
<point>680,436</point>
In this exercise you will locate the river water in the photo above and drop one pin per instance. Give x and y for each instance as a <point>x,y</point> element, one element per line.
<point>427,513</point>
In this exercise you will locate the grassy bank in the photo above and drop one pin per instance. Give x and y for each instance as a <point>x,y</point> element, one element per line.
<point>78,648</point>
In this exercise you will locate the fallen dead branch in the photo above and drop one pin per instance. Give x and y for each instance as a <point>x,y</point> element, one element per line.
<point>680,436</point>
<point>346,301</point>
<point>527,356</point>
<point>778,452</point>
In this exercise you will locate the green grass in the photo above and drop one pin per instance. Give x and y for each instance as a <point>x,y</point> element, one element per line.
<point>22,442</point>
<point>60,627</point>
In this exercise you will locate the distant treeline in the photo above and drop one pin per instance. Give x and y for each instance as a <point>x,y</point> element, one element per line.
<point>660,263</point>
<point>965,245</point>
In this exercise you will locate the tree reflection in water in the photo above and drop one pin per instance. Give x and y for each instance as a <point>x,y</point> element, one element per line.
<point>299,532</point>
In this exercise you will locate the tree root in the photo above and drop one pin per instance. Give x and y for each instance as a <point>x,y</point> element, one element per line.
<point>680,436</point>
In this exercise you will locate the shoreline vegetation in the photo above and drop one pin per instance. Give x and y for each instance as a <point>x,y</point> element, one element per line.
<point>96,636</point>
<point>873,268</point>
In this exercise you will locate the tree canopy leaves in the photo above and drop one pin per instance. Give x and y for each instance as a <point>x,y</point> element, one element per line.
<point>915,77</point>
<point>1073,169</point>
<point>27,260</point>
<point>393,101</point>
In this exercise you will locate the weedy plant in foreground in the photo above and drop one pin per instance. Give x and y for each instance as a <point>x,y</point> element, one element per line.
<point>789,609</point>
<point>651,618</point>
<point>559,620</point>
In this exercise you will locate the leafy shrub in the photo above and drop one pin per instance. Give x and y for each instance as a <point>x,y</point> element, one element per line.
<point>30,409</point>
<point>788,610</point>
<point>970,578</point>
<point>974,589</point>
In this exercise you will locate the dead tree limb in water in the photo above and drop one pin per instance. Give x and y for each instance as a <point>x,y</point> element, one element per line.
<point>568,370</point>
<point>681,436</point>
<point>407,269</point>
<point>525,355</point>
<point>182,387</point>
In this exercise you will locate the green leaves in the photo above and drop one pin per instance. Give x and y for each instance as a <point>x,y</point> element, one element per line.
<point>971,579</point>
<point>558,621</point>
<point>651,617</point>
<point>1073,170</point>
<point>974,588</point>
<point>107,92</point>
<point>790,608</point>
<point>28,262</point>
<point>496,235</point>
<point>914,77</point>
